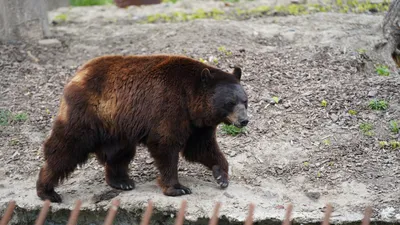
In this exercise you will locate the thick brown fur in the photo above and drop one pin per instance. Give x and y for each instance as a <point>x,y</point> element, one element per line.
<point>114,103</point>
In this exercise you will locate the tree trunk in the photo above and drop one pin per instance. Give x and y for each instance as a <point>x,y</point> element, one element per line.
<point>391,31</point>
<point>23,20</point>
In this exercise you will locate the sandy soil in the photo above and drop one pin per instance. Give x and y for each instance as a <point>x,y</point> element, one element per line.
<point>295,151</point>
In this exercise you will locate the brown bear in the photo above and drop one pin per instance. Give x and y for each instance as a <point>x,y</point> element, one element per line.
<point>171,104</point>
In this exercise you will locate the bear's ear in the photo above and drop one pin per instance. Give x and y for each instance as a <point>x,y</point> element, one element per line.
<point>205,76</point>
<point>237,72</point>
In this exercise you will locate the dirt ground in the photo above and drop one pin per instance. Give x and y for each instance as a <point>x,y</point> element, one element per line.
<point>295,151</point>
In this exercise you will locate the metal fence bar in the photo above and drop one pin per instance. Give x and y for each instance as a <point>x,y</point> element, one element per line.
<point>179,217</point>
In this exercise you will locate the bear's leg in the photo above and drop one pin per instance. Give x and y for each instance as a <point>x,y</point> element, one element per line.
<point>62,155</point>
<point>166,159</point>
<point>202,147</point>
<point>117,167</point>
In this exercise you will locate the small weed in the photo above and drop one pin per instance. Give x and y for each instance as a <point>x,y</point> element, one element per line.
<point>202,60</point>
<point>361,51</point>
<point>223,50</point>
<point>394,144</point>
<point>382,70</point>
<point>383,144</point>
<point>276,99</point>
<point>327,142</point>
<point>324,103</point>
<point>90,2</point>
<point>215,60</point>
<point>61,17</point>
<point>13,142</point>
<point>330,164</point>
<point>5,117</point>
<point>169,1</point>
<point>394,127</point>
<point>366,128</point>
<point>352,112</point>
<point>378,104</point>
<point>391,144</point>
<point>306,164</point>
<point>21,117</point>
<point>232,130</point>
<point>319,174</point>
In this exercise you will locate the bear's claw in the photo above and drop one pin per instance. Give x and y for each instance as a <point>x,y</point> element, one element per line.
<point>125,184</point>
<point>220,176</point>
<point>178,190</point>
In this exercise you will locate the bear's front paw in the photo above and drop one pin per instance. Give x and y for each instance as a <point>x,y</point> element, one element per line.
<point>177,190</point>
<point>221,176</point>
<point>52,196</point>
<point>122,184</point>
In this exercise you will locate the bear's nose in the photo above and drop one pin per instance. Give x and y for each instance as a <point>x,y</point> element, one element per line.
<point>244,122</point>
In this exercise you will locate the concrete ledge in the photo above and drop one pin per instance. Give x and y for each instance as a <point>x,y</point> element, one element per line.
<point>97,200</point>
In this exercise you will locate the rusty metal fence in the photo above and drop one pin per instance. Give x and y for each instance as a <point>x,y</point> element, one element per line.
<point>179,218</point>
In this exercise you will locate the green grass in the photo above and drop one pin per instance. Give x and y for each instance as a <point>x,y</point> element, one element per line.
<point>232,130</point>
<point>352,112</point>
<point>382,70</point>
<point>378,104</point>
<point>324,103</point>
<point>90,2</point>
<point>349,6</point>
<point>394,127</point>
<point>61,17</point>
<point>223,50</point>
<point>6,117</point>
<point>393,144</point>
<point>171,1</point>
<point>366,128</point>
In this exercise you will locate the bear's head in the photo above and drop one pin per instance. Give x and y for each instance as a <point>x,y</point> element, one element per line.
<point>226,99</point>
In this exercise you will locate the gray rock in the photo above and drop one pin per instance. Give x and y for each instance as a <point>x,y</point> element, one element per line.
<point>50,42</point>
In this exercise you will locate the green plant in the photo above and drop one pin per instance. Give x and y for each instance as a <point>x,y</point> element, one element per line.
<point>394,127</point>
<point>13,142</point>
<point>90,2</point>
<point>382,70</point>
<point>215,60</point>
<point>378,104</point>
<point>276,99</point>
<point>202,60</point>
<point>232,130</point>
<point>20,117</point>
<point>61,17</point>
<point>361,51</point>
<point>327,142</point>
<point>392,144</point>
<point>352,112</point>
<point>306,164</point>
<point>366,128</point>
<point>171,1</point>
<point>223,50</point>
<point>324,103</point>
<point>383,144</point>
<point>5,117</point>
